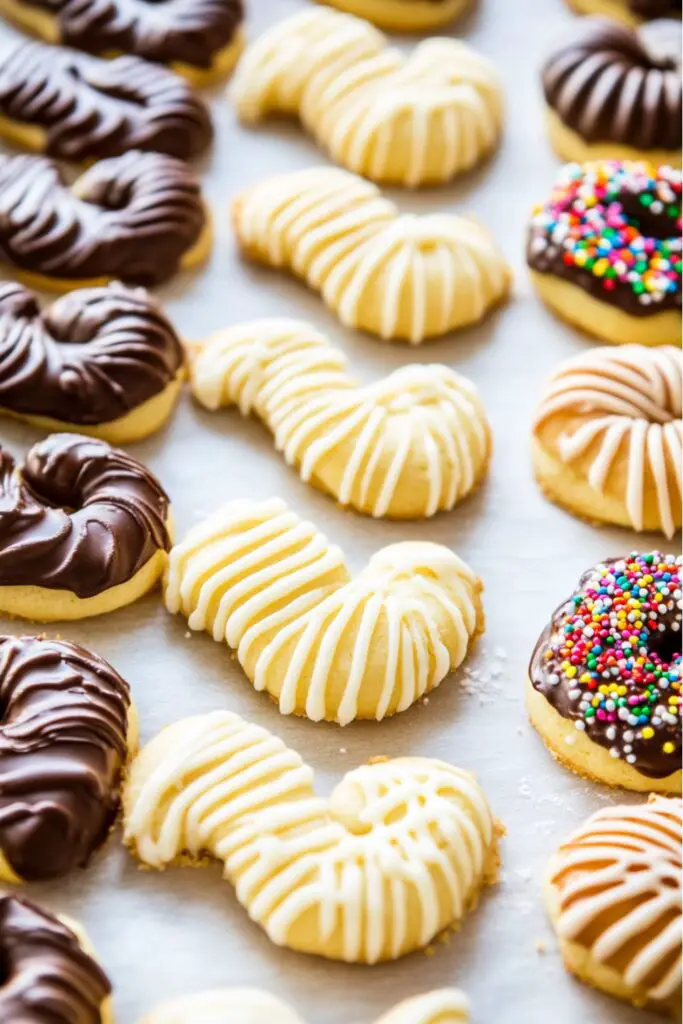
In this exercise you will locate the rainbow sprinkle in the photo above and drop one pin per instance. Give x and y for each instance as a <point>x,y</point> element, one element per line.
<point>609,651</point>
<point>585,220</point>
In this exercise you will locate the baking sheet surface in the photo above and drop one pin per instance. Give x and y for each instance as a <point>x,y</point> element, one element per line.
<point>160,935</point>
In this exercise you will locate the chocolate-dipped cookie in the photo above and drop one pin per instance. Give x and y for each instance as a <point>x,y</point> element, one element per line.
<point>139,218</point>
<point>67,725</point>
<point>629,12</point>
<point>84,529</point>
<point>81,108</point>
<point>49,973</point>
<point>605,677</point>
<point>104,361</point>
<point>604,251</point>
<point>200,39</point>
<point>612,91</point>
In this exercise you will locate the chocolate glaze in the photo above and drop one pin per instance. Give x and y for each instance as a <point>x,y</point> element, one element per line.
<point>650,9</point>
<point>92,108</point>
<point>613,84</point>
<point>133,218</point>
<point>78,516</point>
<point>166,31</point>
<point>650,758</point>
<point>47,977</point>
<point>62,751</point>
<point>88,359</point>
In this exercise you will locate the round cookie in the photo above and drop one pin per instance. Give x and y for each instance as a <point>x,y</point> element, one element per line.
<point>629,12</point>
<point>607,440</point>
<point>67,727</point>
<point>200,39</point>
<point>76,107</point>
<point>138,218</point>
<point>103,361</point>
<point>49,975</point>
<point>215,785</point>
<point>604,687</point>
<point>404,15</point>
<point>613,894</point>
<point>84,530</point>
<point>615,92</point>
<point>604,251</point>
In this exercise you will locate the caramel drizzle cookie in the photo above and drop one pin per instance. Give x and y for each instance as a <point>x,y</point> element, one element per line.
<point>608,438</point>
<point>257,577</point>
<point>408,446</point>
<point>76,107</point>
<point>67,726</point>
<point>200,39</point>
<point>103,360</point>
<point>249,1006</point>
<point>138,218</point>
<point>407,120</point>
<point>83,530</point>
<point>612,91</point>
<point>605,676</point>
<point>401,277</point>
<point>399,851</point>
<point>50,975</point>
<point>613,892</point>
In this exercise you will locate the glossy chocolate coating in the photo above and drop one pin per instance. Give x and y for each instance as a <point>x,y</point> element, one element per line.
<point>62,751</point>
<point>613,84</point>
<point>92,108</point>
<point>78,516</point>
<point>47,977</point>
<point>165,31</point>
<point>133,218</point>
<point>88,359</point>
<point>650,759</point>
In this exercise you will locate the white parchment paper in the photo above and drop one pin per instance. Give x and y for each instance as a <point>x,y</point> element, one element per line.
<point>159,935</point>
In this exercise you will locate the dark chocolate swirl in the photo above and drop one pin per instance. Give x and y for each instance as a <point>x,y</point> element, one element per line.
<point>78,516</point>
<point>614,84</point>
<point>62,752</point>
<point>91,108</point>
<point>47,978</point>
<point>89,359</point>
<point>166,31</point>
<point>655,759</point>
<point>129,218</point>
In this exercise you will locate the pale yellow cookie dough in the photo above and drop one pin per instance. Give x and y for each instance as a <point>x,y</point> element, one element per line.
<point>570,146</point>
<point>404,15</point>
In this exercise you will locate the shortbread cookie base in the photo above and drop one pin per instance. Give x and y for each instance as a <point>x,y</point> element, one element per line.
<point>576,751</point>
<point>107,1007</point>
<point>403,15</point>
<point>563,485</point>
<point>604,320</point>
<point>569,145</point>
<point>615,9</point>
<point>136,425</point>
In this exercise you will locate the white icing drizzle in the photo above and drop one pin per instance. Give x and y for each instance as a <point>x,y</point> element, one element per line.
<point>624,406</point>
<point>618,885</point>
<point>399,850</point>
<point>401,277</point>
<point>269,585</point>
<point>410,445</point>
<point>408,120</point>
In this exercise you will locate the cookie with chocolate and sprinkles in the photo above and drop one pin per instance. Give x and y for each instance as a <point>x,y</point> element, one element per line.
<point>604,686</point>
<point>604,251</point>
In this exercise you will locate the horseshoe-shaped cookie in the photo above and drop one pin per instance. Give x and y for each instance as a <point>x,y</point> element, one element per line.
<point>407,446</point>
<point>83,530</point>
<point>200,39</point>
<point>249,1006</point>
<point>268,584</point>
<point>398,852</point>
<point>104,361</point>
<point>401,277</point>
<point>76,107</point>
<point>138,218</point>
<point>402,120</point>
